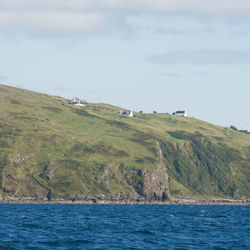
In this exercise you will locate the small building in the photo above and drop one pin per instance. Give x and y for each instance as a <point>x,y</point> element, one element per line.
<point>245,131</point>
<point>180,113</point>
<point>127,113</point>
<point>78,102</point>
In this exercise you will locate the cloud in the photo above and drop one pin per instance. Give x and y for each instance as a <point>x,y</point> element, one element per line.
<point>79,17</point>
<point>202,57</point>
<point>50,22</point>
<point>238,7</point>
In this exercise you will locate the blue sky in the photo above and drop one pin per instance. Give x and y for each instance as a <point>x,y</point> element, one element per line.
<point>161,55</point>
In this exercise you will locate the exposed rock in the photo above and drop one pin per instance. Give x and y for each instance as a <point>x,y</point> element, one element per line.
<point>9,184</point>
<point>133,195</point>
<point>155,185</point>
<point>18,159</point>
<point>101,197</point>
<point>141,173</point>
<point>74,197</point>
<point>104,178</point>
<point>236,195</point>
<point>51,170</point>
<point>33,184</point>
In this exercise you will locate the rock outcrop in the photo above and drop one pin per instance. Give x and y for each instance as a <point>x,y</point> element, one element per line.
<point>156,186</point>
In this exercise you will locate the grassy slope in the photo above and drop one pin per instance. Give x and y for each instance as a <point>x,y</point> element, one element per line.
<point>50,146</point>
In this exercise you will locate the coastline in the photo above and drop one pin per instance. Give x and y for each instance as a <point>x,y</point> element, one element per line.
<point>185,201</point>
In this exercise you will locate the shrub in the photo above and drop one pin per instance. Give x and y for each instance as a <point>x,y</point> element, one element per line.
<point>234,128</point>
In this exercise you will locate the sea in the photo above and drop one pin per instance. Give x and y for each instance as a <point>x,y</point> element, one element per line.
<point>97,226</point>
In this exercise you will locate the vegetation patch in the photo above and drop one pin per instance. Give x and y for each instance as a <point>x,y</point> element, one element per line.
<point>118,124</point>
<point>84,113</point>
<point>15,102</point>
<point>3,163</point>
<point>23,116</point>
<point>218,138</point>
<point>143,139</point>
<point>181,135</point>
<point>53,109</point>
<point>3,89</point>
<point>121,153</point>
<point>151,159</point>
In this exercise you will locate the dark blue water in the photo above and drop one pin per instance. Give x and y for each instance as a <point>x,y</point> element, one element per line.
<point>124,226</point>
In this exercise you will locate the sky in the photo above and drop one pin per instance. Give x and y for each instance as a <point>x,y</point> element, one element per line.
<point>162,55</point>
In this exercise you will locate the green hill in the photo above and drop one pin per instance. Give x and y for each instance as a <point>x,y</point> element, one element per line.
<point>52,149</point>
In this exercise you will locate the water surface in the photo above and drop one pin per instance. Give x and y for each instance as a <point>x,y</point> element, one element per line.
<point>124,227</point>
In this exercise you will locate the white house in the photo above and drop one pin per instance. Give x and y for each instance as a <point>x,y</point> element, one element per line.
<point>78,102</point>
<point>127,113</point>
<point>180,113</point>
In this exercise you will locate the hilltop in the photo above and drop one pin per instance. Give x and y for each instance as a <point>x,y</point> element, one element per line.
<point>50,149</point>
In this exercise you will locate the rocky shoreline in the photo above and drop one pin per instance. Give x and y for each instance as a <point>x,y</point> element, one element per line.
<point>175,201</point>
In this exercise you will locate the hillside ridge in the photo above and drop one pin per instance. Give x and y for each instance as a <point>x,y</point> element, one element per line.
<point>52,150</point>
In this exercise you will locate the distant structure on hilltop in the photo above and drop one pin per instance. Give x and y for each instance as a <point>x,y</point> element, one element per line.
<point>245,131</point>
<point>180,113</point>
<point>127,113</point>
<point>78,102</point>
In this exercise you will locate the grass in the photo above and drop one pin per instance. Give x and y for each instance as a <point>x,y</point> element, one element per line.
<point>93,145</point>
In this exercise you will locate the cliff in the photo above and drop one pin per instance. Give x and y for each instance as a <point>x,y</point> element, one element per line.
<point>50,149</point>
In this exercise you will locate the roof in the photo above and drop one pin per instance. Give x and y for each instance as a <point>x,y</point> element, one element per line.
<point>126,112</point>
<point>75,99</point>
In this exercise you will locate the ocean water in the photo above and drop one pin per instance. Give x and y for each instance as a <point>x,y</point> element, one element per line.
<point>124,227</point>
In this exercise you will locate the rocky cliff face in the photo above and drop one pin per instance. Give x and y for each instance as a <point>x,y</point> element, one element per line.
<point>147,184</point>
<point>156,186</point>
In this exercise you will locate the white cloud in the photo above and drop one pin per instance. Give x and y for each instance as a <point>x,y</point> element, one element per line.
<point>50,22</point>
<point>202,57</point>
<point>74,17</point>
<point>204,6</point>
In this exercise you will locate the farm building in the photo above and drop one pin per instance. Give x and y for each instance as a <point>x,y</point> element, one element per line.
<point>180,113</point>
<point>78,102</point>
<point>127,113</point>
